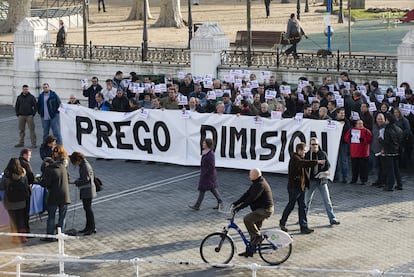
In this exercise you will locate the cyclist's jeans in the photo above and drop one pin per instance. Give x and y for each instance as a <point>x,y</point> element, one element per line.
<point>324,190</point>
<point>254,221</point>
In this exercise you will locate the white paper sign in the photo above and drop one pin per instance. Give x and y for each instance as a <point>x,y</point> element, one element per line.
<point>245,92</point>
<point>185,114</point>
<point>379,97</point>
<point>182,99</point>
<point>211,95</point>
<point>208,83</point>
<point>400,92</point>
<point>163,87</point>
<point>229,78</point>
<point>270,94</point>
<point>339,103</point>
<point>311,99</point>
<point>372,107</point>
<point>84,83</point>
<point>265,75</point>
<point>180,75</point>
<point>228,91</point>
<point>330,125</point>
<point>285,90</point>
<point>276,115</point>
<point>299,117</point>
<point>362,89</point>
<point>254,84</point>
<point>355,136</point>
<point>331,88</point>
<point>219,93</point>
<point>347,85</point>
<point>355,115</point>
<point>238,99</point>
<point>143,113</point>
<point>197,78</point>
<point>258,120</point>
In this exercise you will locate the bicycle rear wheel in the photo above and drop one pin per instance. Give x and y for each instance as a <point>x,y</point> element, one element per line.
<point>273,255</point>
<point>217,248</point>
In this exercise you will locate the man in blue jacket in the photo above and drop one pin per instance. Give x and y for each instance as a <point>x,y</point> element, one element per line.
<point>47,106</point>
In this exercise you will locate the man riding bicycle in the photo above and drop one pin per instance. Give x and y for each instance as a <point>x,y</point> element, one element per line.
<point>260,199</point>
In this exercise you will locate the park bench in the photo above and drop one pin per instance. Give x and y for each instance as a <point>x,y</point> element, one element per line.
<point>260,39</point>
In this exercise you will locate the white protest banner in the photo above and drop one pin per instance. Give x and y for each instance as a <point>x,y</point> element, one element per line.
<point>163,137</point>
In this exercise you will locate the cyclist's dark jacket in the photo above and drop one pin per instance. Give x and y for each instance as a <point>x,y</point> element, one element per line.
<point>259,195</point>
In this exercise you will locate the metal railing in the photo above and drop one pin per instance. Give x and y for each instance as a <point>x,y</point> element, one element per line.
<point>311,61</point>
<point>6,49</point>
<point>127,54</point>
<point>55,8</point>
<point>61,258</point>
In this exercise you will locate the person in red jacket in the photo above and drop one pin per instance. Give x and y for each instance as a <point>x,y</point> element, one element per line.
<point>359,139</point>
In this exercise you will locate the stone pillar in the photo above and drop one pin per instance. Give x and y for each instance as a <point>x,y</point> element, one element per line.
<point>406,59</point>
<point>206,47</point>
<point>31,33</point>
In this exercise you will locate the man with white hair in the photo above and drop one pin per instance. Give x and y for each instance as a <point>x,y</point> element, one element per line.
<point>260,199</point>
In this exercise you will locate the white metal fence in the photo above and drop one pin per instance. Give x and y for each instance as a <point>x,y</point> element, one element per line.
<point>61,258</point>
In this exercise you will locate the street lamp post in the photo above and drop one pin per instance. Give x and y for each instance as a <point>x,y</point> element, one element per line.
<point>249,34</point>
<point>341,12</point>
<point>190,24</point>
<point>298,9</point>
<point>85,30</point>
<point>145,34</point>
<point>307,6</point>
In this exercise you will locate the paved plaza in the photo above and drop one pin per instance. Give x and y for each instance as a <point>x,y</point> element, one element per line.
<point>142,212</point>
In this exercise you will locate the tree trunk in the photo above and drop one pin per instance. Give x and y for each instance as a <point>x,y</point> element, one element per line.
<point>170,14</point>
<point>18,10</point>
<point>137,11</point>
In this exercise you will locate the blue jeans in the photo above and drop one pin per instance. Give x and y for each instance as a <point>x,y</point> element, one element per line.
<point>53,123</point>
<point>51,213</point>
<point>295,195</point>
<point>324,190</point>
<point>343,159</point>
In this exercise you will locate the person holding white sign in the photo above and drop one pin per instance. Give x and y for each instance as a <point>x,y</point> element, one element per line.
<point>91,91</point>
<point>359,139</point>
<point>109,92</point>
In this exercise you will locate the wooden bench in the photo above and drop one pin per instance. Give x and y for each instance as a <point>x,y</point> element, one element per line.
<point>259,39</point>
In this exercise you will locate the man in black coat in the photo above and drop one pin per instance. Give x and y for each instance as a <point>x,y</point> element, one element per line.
<point>391,143</point>
<point>91,91</point>
<point>25,108</point>
<point>55,179</point>
<point>298,180</point>
<point>25,156</point>
<point>260,199</point>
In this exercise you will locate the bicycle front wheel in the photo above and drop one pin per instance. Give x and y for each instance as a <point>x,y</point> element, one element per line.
<point>273,255</point>
<point>217,248</point>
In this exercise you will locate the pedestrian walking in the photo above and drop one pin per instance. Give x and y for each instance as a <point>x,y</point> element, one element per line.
<point>298,180</point>
<point>319,180</point>
<point>208,175</point>
<point>14,184</point>
<point>87,190</point>
<point>267,5</point>
<point>25,108</point>
<point>61,38</point>
<point>103,5</point>
<point>293,35</point>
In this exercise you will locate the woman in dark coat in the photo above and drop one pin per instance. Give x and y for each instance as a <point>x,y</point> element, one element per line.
<point>14,183</point>
<point>208,176</point>
<point>87,190</point>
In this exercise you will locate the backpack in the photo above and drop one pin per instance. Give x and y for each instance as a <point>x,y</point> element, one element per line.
<point>15,191</point>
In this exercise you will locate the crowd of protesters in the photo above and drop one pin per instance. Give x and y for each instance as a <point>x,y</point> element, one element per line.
<point>366,139</point>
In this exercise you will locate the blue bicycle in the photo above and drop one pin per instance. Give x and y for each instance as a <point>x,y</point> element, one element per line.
<point>219,247</point>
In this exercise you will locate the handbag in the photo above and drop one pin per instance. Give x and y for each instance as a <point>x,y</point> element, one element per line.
<point>98,183</point>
